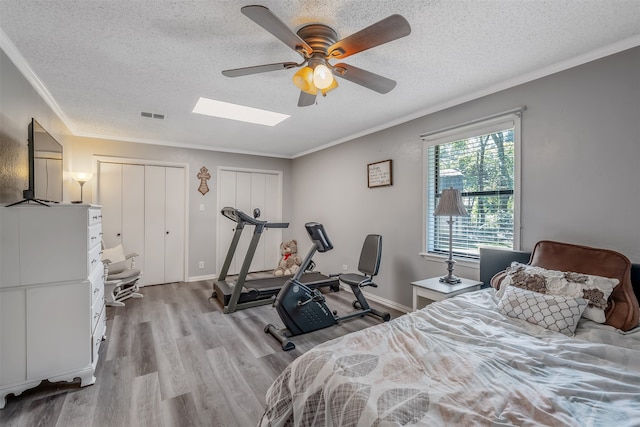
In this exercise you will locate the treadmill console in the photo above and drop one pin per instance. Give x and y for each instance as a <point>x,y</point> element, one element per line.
<point>319,236</point>
<point>236,215</point>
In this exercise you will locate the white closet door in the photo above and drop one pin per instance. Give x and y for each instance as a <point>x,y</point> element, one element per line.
<point>243,202</point>
<point>133,211</point>
<point>226,228</point>
<point>247,191</point>
<point>174,225</point>
<point>272,208</point>
<point>154,235</point>
<point>258,199</point>
<point>110,197</point>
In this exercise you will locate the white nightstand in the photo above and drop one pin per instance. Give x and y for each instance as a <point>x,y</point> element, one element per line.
<point>434,290</point>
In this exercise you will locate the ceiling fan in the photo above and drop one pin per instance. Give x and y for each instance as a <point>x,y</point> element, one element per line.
<point>318,43</point>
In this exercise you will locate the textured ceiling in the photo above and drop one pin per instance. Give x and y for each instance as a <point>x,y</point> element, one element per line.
<point>103,62</point>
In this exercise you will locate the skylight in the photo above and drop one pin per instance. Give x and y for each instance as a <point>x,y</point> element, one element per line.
<point>241,113</point>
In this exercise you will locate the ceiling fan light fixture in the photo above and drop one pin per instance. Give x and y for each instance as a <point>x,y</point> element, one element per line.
<point>303,79</point>
<point>334,84</point>
<point>322,77</point>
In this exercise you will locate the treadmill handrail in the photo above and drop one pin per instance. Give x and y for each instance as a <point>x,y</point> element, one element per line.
<point>238,216</point>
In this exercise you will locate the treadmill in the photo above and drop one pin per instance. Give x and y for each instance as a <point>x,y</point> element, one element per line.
<point>252,293</point>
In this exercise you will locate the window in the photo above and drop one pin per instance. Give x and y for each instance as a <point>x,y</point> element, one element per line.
<point>482,161</point>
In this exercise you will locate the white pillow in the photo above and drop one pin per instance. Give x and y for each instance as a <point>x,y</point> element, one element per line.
<point>594,289</point>
<point>113,254</point>
<point>554,312</point>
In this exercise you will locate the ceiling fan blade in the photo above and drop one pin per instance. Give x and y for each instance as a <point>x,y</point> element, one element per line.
<point>389,29</point>
<point>237,72</point>
<point>306,99</point>
<point>364,78</point>
<point>267,20</point>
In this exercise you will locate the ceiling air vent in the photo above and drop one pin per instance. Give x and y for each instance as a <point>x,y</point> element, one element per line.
<point>152,115</point>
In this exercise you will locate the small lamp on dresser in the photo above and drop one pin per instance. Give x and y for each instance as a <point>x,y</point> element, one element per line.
<point>450,205</point>
<point>81,178</point>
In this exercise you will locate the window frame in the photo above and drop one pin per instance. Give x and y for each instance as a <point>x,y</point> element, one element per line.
<point>477,127</point>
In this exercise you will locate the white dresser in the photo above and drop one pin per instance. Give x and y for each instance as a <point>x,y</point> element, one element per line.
<point>52,316</point>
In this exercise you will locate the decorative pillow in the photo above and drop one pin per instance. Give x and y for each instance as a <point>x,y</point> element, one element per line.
<point>554,312</point>
<point>594,289</point>
<point>115,254</point>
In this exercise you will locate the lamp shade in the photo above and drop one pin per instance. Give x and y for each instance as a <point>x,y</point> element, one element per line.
<point>450,204</point>
<point>334,84</point>
<point>322,76</point>
<point>303,79</point>
<point>81,176</point>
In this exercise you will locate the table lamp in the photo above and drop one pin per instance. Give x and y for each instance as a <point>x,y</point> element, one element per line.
<point>81,178</point>
<point>450,205</point>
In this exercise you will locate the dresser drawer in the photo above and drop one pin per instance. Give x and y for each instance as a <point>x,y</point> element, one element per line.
<point>98,333</point>
<point>97,312</point>
<point>98,299</point>
<point>94,261</point>
<point>95,216</point>
<point>95,235</point>
<point>97,285</point>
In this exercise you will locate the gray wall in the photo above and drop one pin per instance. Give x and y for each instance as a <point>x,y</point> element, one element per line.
<point>202,224</point>
<point>19,102</point>
<point>580,174</point>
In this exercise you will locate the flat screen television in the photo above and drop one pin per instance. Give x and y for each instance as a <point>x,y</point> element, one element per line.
<point>45,167</point>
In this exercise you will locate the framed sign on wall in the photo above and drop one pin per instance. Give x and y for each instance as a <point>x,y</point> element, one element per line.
<point>379,174</point>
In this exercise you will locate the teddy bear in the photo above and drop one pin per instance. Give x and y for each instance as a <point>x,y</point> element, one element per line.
<point>290,261</point>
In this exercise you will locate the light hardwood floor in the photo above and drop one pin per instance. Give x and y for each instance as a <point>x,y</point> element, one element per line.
<point>173,358</point>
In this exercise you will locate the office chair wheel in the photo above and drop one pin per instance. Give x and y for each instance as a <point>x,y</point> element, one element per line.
<point>356,305</point>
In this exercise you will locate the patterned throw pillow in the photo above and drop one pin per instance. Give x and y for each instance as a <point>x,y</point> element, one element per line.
<point>594,289</point>
<point>553,312</point>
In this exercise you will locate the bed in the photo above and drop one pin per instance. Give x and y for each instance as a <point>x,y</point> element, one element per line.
<point>463,361</point>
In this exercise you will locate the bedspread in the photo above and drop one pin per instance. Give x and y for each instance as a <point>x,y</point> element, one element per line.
<point>461,362</point>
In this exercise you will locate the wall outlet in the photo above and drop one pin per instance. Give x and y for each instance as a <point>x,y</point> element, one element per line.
<point>345,267</point>
<point>201,264</point>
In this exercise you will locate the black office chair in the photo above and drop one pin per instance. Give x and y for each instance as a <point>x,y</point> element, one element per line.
<point>368,265</point>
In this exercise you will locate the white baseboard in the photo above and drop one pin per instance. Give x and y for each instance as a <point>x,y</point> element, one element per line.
<point>199,278</point>
<point>380,300</point>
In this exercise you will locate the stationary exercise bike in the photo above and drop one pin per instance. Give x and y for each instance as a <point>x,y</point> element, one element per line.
<point>304,310</point>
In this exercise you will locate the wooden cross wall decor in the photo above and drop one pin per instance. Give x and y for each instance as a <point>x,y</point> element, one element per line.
<point>203,176</point>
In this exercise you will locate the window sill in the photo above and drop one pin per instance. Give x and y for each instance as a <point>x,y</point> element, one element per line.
<point>464,262</point>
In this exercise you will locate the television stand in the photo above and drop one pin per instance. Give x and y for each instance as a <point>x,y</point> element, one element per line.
<point>29,197</point>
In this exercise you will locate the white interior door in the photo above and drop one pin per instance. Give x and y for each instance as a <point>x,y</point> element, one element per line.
<point>133,211</point>
<point>174,225</point>
<point>258,199</point>
<point>226,227</point>
<point>143,209</point>
<point>243,202</point>
<point>110,197</point>
<point>273,209</point>
<point>154,233</point>
<point>247,190</point>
